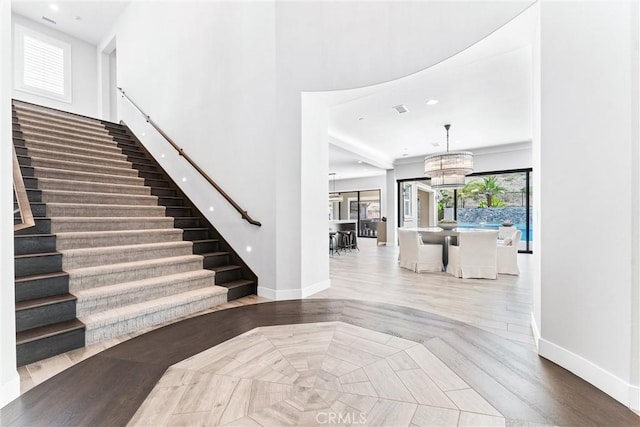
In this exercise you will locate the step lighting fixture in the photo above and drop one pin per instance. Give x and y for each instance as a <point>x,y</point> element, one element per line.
<point>448,170</point>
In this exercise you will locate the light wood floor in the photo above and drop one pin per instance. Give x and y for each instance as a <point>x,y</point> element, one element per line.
<point>501,306</point>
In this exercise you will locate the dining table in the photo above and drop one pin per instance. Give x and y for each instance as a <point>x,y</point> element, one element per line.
<point>444,237</point>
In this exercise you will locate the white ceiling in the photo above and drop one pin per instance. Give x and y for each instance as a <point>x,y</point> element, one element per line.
<point>484,92</point>
<point>95,17</point>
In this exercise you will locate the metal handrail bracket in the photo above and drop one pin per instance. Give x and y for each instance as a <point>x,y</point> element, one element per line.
<point>181,152</point>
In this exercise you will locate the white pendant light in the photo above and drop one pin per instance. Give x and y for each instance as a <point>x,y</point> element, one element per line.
<point>448,170</point>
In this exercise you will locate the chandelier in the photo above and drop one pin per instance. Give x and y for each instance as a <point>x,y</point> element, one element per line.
<point>448,170</point>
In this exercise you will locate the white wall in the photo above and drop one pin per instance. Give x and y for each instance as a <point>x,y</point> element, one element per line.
<point>9,380</point>
<point>225,79</point>
<point>83,72</point>
<point>589,134</point>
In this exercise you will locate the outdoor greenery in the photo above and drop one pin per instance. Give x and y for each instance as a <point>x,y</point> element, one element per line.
<point>486,192</point>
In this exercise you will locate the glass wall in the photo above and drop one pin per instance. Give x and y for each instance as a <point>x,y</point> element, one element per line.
<point>361,207</point>
<point>488,200</point>
<point>492,200</point>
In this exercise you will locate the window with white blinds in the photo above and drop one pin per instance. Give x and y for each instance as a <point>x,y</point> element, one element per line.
<point>42,65</point>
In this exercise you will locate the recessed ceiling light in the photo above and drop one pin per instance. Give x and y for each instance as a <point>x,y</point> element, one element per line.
<point>405,154</point>
<point>360,118</point>
<point>54,7</point>
<point>77,18</point>
<point>359,162</point>
<point>401,108</point>
<point>432,102</point>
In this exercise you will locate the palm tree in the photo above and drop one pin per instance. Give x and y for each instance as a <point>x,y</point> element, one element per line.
<point>490,190</point>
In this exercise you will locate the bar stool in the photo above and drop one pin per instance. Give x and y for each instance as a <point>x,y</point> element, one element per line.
<point>333,243</point>
<point>350,241</point>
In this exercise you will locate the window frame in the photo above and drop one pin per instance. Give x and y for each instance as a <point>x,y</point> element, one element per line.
<point>19,34</point>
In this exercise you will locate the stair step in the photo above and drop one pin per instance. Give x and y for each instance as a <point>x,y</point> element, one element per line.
<point>215,259</point>
<point>187,222</point>
<point>239,288</point>
<point>92,277</point>
<point>56,114</point>
<point>170,201</point>
<point>97,300</point>
<point>30,264</point>
<point>31,117</point>
<point>205,246</point>
<point>109,161</point>
<point>178,211</point>
<point>97,210</point>
<point>227,273</point>
<point>89,257</point>
<point>195,233</point>
<point>163,192</point>
<point>77,240</point>
<point>43,226</point>
<point>79,224</point>
<point>55,127</point>
<point>41,285</point>
<point>34,244</point>
<point>38,162</point>
<point>64,137</point>
<point>87,198</point>
<point>85,149</point>
<point>45,311</point>
<point>158,183</point>
<point>123,320</point>
<point>84,176</point>
<point>92,187</point>
<point>47,341</point>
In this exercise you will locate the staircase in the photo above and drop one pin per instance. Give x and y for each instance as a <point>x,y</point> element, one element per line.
<point>106,256</point>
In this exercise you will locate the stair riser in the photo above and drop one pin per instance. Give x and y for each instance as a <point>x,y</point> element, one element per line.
<point>77,158</point>
<point>79,282</point>
<point>89,306</point>
<point>37,264</point>
<point>205,247</point>
<point>93,187</point>
<point>74,260</point>
<point>195,234</point>
<point>43,226</point>
<point>69,134</point>
<point>159,183</point>
<point>170,201</point>
<point>23,245</point>
<point>178,211</point>
<point>78,242</point>
<point>212,261</point>
<point>45,113</point>
<point>187,222</point>
<point>37,209</point>
<point>110,224</point>
<point>47,347</point>
<point>82,167</point>
<point>104,152</point>
<point>65,139</point>
<point>167,192</point>
<point>42,121</point>
<point>51,196</point>
<point>34,196</point>
<point>143,167</point>
<point>41,287</point>
<point>241,291</point>
<point>228,276</point>
<point>54,128</point>
<point>40,316</point>
<point>54,210</point>
<point>96,334</point>
<point>85,177</point>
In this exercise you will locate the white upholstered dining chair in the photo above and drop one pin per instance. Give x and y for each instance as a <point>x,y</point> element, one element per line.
<point>417,256</point>
<point>508,254</point>
<point>475,256</point>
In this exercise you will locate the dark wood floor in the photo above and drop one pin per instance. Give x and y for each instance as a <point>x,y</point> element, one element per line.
<point>109,387</point>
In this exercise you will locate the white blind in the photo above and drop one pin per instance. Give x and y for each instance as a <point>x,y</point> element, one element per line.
<point>43,66</point>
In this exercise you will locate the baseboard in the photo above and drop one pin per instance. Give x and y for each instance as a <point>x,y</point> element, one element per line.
<point>287,294</point>
<point>10,389</point>
<point>615,387</point>
<point>536,332</point>
<point>315,288</point>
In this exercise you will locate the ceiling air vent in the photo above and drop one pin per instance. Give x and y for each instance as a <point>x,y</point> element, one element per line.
<point>401,109</point>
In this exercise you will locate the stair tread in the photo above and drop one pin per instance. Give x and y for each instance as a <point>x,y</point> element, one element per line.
<point>40,254</point>
<point>99,148</point>
<point>129,266</point>
<point>219,253</point>
<point>95,193</point>
<point>228,267</point>
<point>158,304</point>
<point>122,248</point>
<point>112,232</point>
<point>236,283</point>
<point>40,276</point>
<point>122,288</point>
<point>48,331</point>
<point>44,301</point>
<point>104,176</point>
<point>37,153</point>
